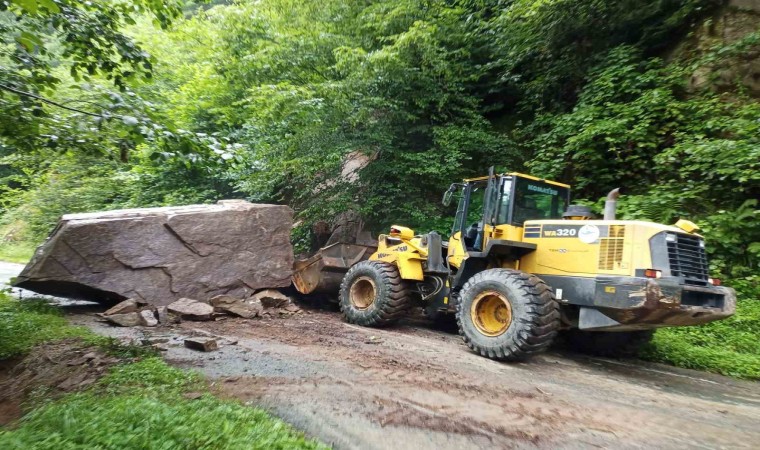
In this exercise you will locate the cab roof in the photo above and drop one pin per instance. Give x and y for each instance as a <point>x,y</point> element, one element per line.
<point>520,175</point>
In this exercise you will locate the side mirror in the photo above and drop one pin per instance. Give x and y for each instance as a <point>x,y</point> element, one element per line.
<point>447,198</point>
<point>448,195</point>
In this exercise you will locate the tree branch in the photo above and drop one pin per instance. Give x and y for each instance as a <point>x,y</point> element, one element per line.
<point>48,101</point>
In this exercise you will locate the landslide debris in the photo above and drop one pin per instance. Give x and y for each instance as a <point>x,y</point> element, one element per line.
<point>267,303</point>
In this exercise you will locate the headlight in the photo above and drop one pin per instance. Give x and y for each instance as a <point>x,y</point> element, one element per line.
<point>670,237</point>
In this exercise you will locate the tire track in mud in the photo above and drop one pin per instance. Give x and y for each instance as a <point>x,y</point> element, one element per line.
<point>461,405</point>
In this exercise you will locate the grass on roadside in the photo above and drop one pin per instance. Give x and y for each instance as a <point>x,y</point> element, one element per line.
<point>16,252</point>
<point>729,347</point>
<point>140,405</point>
<point>137,405</point>
<point>23,324</point>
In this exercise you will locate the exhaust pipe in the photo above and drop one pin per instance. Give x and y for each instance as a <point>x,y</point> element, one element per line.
<point>611,204</point>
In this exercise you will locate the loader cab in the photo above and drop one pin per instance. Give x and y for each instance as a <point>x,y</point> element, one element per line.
<point>500,204</point>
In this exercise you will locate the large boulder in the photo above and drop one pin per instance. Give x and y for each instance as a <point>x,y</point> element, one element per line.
<point>159,255</point>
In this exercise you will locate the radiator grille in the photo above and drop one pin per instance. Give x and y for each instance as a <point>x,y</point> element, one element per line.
<point>687,258</point>
<point>611,248</point>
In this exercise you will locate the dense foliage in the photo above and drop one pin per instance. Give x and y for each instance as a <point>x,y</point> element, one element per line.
<point>270,100</point>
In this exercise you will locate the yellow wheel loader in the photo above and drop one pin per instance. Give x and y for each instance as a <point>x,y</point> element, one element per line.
<point>522,264</point>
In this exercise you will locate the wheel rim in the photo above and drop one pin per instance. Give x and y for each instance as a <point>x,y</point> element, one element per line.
<point>363,292</point>
<point>491,313</point>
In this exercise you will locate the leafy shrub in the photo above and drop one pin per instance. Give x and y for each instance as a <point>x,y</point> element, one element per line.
<point>730,347</point>
<point>24,324</point>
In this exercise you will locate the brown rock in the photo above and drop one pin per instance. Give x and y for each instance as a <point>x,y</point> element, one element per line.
<point>127,306</point>
<point>256,305</point>
<point>190,309</point>
<point>125,320</point>
<point>160,255</point>
<point>271,298</point>
<point>243,310</point>
<point>223,300</point>
<point>203,344</point>
<point>148,318</point>
<point>234,306</point>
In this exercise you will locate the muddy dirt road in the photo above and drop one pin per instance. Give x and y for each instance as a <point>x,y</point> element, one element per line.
<point>413,387</point>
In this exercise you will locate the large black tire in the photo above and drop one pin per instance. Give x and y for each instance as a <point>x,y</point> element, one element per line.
<point>373,294</point>
<point>620,344</point>
<point>530,304</point>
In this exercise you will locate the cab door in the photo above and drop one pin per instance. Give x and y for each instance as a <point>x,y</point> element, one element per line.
<point>456,250</point>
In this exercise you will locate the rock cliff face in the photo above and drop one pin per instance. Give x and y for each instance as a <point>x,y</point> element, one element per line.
<point>735,24</point>
<point>162,254</point>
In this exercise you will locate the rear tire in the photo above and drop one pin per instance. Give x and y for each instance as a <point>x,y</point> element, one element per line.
<point>612,344</point>
<point>506,314</point>
<point>373,294</point>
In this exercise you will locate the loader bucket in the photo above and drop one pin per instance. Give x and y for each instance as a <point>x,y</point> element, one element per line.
<point>323,272</point>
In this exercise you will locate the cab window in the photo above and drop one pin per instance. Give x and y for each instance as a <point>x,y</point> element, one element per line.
<point>505,198</point>
<point>537,200</point>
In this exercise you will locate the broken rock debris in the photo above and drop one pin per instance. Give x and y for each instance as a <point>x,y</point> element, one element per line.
<point>190,309</point>
<point>235,306</point>
<point>203,344</point>
<point>125,307</point>
<point>148,318</point>
<point>271,298</point>
<point>266,304</point>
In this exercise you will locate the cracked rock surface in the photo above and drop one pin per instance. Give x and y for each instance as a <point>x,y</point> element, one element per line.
<point>159,255</point>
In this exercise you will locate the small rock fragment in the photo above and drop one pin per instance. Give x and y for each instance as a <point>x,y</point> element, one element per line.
<point>242,310</point>
<point>201,343</point>
<point>163,315</point>
<point>292,308</point>
<point>147,318</point>
<point>125,320</point>
<point>125,307</point>
<point>191,309</point>
<point>234,306</point>
<point>255,304</point>
<point>271,298</point>
<point>223,300</point>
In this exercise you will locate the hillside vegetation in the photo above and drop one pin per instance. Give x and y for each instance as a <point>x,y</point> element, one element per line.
<point>163,103</point>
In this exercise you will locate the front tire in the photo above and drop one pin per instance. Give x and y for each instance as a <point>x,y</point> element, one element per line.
<point>373,294</point>
<point>506,314</point>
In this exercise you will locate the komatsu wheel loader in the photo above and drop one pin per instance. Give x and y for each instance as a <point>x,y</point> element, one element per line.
<point>522,264</point>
